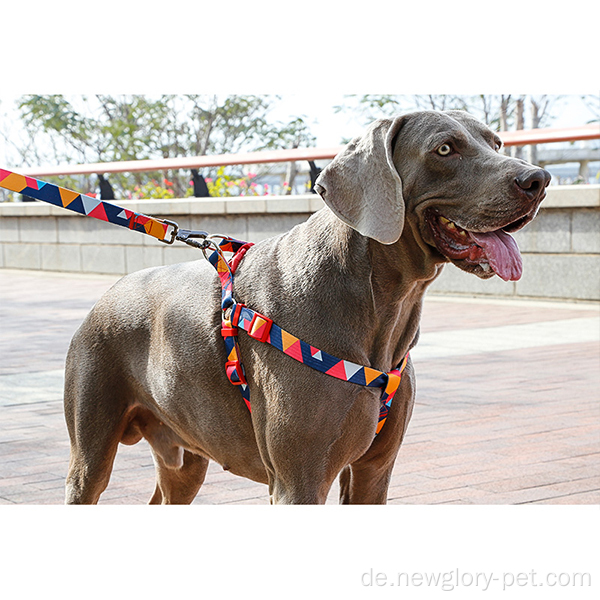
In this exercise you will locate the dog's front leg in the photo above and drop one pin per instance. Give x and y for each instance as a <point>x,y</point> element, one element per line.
<point>304,444</point>
<point>366,481</point>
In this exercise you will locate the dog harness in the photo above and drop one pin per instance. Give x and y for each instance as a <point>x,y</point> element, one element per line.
<point>237,316</point>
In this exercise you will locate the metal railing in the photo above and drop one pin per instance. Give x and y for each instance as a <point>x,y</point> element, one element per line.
<point>509,138</point>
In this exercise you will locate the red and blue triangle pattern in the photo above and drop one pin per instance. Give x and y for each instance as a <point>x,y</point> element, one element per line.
<point>262,328</point>
<point>82,204</point>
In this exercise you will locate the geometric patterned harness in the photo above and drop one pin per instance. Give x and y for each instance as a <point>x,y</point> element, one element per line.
<point>235,315</point>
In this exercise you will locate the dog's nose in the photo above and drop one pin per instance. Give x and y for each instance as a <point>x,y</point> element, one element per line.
<point>533,182</point>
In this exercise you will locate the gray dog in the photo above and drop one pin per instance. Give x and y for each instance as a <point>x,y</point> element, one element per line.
<point>402,200</point>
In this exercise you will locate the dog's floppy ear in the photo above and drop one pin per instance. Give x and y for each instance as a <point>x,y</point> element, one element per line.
<point>362,186</point>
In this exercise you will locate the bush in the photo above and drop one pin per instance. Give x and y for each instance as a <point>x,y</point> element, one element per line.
<point>153,189</point>
<point>227,185</point>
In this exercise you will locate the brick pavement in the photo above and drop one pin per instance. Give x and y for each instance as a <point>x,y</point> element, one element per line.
<point>513,426</point>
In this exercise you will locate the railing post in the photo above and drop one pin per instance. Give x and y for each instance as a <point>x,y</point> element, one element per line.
<point>106,190</point>
<point>200,187</point>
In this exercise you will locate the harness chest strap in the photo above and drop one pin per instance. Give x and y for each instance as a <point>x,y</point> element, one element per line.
<point>259,327</point>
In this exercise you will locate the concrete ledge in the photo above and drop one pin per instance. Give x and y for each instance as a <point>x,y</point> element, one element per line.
<point>241,205</point>
<point>563,196</point>
<point>572,196</point>
<point>561,247</point>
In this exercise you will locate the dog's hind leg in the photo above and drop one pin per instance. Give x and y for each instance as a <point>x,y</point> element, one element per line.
<point>97,404</point>
<point>178,484</point>
<point>95,436</point>
<point>179,472</point>
<point>88,474</point>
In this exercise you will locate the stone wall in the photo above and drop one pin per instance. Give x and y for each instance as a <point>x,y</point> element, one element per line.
<point>561,248</point>
<point>40,236</point>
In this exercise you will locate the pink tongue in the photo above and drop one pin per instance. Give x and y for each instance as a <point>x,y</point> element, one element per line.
<point>502,252</point>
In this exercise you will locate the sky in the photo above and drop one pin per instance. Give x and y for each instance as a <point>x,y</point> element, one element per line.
<point>312,50</point>
<point>329,127</point>
<point>310,53</point>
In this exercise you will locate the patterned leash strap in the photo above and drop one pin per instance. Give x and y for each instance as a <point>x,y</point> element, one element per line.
<point>88,206</point>
<point>238,316</point>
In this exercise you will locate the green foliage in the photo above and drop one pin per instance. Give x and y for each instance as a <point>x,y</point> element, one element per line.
<point>224,185</point>
<point>107,128</point>
<point>53,114</point>
<point>152,190</point>
<point>592,102</point>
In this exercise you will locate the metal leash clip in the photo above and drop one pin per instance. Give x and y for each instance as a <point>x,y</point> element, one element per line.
<point>173,232</point>
<point>190,238</point>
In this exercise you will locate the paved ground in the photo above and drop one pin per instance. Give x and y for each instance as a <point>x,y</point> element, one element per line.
<point>507,409</point>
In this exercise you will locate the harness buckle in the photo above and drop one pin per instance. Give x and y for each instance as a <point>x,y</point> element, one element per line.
<point>235,372</point>
<point>260,327</point>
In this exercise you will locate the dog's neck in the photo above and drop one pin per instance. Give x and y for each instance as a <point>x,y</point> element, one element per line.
<point>401,274</point>
<point>394,280</point>
<point>340,291</point>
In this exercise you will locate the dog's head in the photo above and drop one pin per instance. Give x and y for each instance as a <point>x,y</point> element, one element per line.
<point>443,172</point>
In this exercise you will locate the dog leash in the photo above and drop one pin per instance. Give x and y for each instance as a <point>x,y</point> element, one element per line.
<point>161,229</point>
<point>235,315</point>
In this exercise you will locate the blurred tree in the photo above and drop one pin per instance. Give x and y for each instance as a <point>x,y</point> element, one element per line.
<point>517,151</point>
<point>540,115</point>
<point>495,110</point>
<point>106,128</point>
<point>592,101</point>
<point>500,112</point>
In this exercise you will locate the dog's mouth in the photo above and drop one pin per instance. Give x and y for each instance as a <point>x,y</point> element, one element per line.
<point>483,253</point>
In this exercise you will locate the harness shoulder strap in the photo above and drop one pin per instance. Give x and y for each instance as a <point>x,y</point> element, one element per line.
<point>261,328</point>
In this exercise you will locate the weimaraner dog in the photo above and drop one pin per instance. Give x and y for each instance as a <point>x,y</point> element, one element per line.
<point>410,195</point>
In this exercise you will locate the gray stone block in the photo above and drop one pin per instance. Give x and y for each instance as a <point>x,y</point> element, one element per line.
<point>454,281</point>
<point>550,231</point>
<point>233,225</point>
<point>208,206</point>
<point>572,196</point>
<point>561,276</point>
<point>158,207</point>
<point>585,233</point>
<point>245,205</point>
<point>166,208</point>
<point>92,231</point>
<point>61,257</point>
<point>9,229</point>
<point>22,256</point>
<point>28,209</point>
<point>289,204</point>
<point>264,227</point>
<point>38,230</point>
<point>103,259</point>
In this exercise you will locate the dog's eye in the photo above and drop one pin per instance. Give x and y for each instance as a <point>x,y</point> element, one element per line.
<point>498,145</point>
<point>444,150</point>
